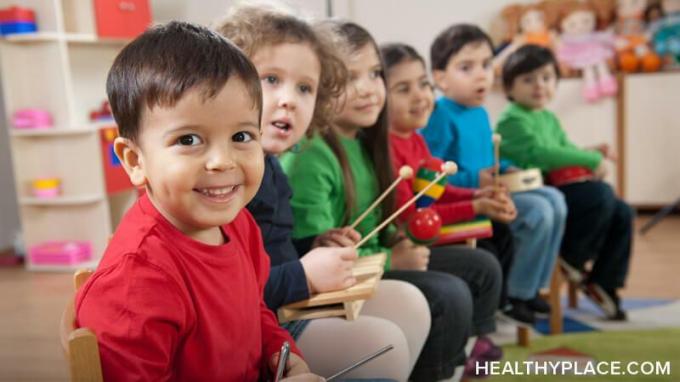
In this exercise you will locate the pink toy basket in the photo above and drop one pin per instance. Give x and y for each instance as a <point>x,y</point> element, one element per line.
<point>32,119</point>
<point>60,252</point>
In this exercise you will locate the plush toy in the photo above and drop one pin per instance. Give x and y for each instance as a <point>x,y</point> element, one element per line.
<point>423,226</point>
<point>632,44</point>
<point>666,31</point>
<point>582,47</point>
<point>527,24</point>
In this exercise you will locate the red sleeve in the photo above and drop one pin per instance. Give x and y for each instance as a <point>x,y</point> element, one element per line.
<point>273,335</point>
<point>139,325</point>
<point>456,194</point>
<point>455,212</point>
<point>404,192</point>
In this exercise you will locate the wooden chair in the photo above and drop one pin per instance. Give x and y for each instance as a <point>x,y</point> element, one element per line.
<point>80,345</point>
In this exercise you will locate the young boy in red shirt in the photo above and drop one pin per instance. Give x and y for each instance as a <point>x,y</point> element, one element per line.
<point>178,293</point>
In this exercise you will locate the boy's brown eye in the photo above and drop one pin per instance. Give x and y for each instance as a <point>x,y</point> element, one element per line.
<point>189,140</point>
<point>243,136</point>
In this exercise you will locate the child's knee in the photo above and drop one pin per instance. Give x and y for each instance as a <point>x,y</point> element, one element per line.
<point>624,212</point>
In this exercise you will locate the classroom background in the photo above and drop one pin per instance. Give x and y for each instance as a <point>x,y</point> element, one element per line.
<point>62,191</point>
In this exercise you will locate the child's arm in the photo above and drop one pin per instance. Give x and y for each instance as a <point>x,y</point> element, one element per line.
<point>286,284</point>
<point>522,145</point>
<point>273,336</point>
<point>137,312</point>
<point>314,178</point>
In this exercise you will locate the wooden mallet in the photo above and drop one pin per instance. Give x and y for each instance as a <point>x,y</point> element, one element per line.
<point>448,168</point>
<point>496,138</point>
<point>405,172</point>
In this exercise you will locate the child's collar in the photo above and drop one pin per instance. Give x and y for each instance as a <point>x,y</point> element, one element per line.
<point>455,104</point>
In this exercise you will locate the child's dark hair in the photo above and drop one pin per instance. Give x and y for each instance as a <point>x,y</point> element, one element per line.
<point>525,60</point>
<point>253,28</point>
<point>396,53</point>
<point>373,139</point>
<point>452,39</point>
<point>165,62</point>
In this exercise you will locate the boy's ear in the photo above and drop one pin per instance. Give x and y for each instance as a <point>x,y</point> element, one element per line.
<point>438,78</point>
<point>130,156</point>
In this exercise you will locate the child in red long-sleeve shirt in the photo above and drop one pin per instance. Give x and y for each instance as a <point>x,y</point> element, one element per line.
<point>178,293</point>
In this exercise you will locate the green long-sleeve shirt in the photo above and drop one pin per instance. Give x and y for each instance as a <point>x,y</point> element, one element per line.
<point>535,139</point>
<point>318,200</point>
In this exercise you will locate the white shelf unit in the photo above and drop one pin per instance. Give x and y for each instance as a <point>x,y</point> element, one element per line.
<point>62,68</point>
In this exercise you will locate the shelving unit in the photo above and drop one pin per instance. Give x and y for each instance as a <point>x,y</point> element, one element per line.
<point>62,68</point>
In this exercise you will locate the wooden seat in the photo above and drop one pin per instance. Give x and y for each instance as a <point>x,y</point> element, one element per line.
<point>80,345</point>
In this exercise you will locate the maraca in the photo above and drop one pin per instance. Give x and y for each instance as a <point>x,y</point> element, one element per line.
<point>423,226</point>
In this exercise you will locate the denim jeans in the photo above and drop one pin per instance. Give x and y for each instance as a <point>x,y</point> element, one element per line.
<point>537,231</point>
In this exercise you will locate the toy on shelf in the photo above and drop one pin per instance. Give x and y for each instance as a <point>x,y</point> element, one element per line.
<point>115,176</point>
<point>46,187</point>
<point>527,24</point>
<point>60,253</point>
<point>423,226</point>
<point>122,19</point>
<point>103,114</point>
<point>584,48</point>
<point>14,20</point>
<point>632,43</point>
<point>32,118</point>
<point>666,31</point>
<point>525,180</point>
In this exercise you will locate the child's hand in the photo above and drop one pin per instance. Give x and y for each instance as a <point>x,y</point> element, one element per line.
<point>296,368</point>
<point>337,237</point>
<point>496,208</point>
<point>406,255</point>
<point>601,171</point>
<point>329,269</point>
<point>489,191</point>
<point>486,177</point>
<point>607,152</point>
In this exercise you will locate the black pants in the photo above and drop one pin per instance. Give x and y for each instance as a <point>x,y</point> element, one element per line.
<point>451,309</point>
<point>481,272</point>
<point>599,227</point>
<point>502,246</point>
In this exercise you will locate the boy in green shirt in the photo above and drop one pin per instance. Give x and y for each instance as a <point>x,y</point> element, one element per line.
<point>599,225</point>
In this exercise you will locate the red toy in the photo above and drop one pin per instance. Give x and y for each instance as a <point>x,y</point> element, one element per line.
<point>15,20</point>
<point>116,178</point>
<point>103,113</point>
<point>122,19</point>
<point>17,14</point>
<point>570,174</point>
<point>423,227</point>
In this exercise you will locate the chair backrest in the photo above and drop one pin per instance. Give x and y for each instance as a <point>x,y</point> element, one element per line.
<point>80,345</point>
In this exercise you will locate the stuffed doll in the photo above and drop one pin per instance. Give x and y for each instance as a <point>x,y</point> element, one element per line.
<point>527,24</point>
<point>582,47</point>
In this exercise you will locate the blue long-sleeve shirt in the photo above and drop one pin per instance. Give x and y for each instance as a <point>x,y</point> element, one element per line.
<point>271,209</point>
<point>461,134</point>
